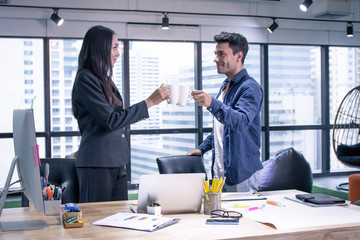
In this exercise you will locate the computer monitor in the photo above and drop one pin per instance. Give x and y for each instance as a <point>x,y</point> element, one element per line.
<point>27,163</point>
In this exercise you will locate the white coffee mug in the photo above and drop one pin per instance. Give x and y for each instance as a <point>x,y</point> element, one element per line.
<point>174,93</point>
<point>179,94</point>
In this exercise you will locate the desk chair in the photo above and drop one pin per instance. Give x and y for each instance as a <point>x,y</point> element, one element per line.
<point>62,173</point>
<point>180,164</point>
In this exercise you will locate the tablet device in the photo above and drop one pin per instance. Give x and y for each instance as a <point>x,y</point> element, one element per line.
<point>319,198</point>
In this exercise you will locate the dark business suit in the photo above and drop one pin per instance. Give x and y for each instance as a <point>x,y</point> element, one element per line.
<point>103,143</point>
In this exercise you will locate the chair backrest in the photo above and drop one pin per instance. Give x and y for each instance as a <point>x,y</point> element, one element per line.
<point>180,164</point>
<point>287,170</point>
<point>63,173</point>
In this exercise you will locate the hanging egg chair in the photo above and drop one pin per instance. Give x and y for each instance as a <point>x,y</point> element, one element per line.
<point>346,131</point>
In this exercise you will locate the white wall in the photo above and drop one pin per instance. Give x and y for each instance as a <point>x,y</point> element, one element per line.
<point>135,19</point>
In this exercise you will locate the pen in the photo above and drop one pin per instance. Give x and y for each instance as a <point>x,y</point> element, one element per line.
<point>275,203</point>
<point>46,173</point>
<point>55,194</point>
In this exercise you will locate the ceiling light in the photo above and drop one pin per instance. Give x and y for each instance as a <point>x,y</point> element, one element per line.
<point>273,26</point>
<point>165,22</point>
<point>305,5</point>
<point>349,29</point>
<point>55,17</point>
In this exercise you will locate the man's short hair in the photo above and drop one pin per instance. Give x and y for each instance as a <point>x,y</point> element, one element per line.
<point>237,42</point>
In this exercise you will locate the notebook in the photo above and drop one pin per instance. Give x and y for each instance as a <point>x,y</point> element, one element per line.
<point>176,193</point>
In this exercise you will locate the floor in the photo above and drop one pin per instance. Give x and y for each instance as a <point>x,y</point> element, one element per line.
<point>330,182</point>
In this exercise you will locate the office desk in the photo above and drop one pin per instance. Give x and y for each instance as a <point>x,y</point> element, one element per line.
<point>191,226</point>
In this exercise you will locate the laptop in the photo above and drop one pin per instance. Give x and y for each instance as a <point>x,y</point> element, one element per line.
<point>176,193</point>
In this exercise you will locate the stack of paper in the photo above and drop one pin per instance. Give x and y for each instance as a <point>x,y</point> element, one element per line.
<point>144,222</point>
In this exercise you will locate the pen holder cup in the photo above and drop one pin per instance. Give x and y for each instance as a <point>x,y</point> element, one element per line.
<point>212,201</point>
<point>52,207</point>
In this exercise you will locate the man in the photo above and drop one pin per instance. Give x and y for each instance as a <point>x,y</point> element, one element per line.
<point>235,139</point>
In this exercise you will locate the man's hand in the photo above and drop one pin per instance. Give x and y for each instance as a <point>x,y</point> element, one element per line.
<point>194,152</point>
<point>201,98</point>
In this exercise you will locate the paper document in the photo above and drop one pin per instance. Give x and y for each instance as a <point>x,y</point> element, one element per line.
<point>293,214</point>
<point>144,222</point>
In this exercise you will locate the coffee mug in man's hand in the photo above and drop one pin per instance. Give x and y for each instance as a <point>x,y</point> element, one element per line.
<point>179,94</point>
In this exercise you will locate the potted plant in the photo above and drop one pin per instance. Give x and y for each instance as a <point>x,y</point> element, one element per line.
<point>153,208</point>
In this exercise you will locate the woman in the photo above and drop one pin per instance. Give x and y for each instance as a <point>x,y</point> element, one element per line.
<point>97,106</point>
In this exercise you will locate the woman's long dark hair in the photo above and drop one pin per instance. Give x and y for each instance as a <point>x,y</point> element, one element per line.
<point>95,56</point>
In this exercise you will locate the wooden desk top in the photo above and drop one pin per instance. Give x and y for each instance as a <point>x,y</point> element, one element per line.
<point>191,226</point>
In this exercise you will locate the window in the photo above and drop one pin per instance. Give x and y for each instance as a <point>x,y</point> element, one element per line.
<point>14,95</point>
<point>294,95</point>
<point>29,81</point>
<point>344,63</point>
<point>55,92</point>
<point>28,53</point>
<point>55,64</point>
<point>56,102</point>
<point>55,74</point>
<point>212,81</point>
<point>146,148</point>
<point>28,43</point>
<point>294,85</point>
<point>68,83</point>
<point>68,120</point>
<point>56,121</point>
<point>64,60</point>
<point>29,91</point>
<point>56,111</point>
<point>55,83</point>
<point>150,66</point>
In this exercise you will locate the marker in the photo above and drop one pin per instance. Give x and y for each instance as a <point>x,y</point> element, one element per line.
<point>253,208</point>
<point>275,203</point>
<point>49,193</point>
<point>241,206</point>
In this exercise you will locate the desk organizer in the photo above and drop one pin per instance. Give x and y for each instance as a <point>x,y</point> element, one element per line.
<point>69,215</point>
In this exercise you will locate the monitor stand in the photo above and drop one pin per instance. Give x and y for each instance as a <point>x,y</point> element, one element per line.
<point>17,225</point>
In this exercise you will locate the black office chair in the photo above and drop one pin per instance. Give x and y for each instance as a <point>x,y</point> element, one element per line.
<point>63,174</point>
<point>180,164</point>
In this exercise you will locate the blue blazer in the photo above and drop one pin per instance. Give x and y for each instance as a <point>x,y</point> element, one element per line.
<point>103,142</point>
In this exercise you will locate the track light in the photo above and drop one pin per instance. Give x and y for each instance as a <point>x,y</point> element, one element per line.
<point>305,5</point>
<point>273,26</point>
<point>165,22</point>
<point>349,29</point>
<point>55,17</point>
